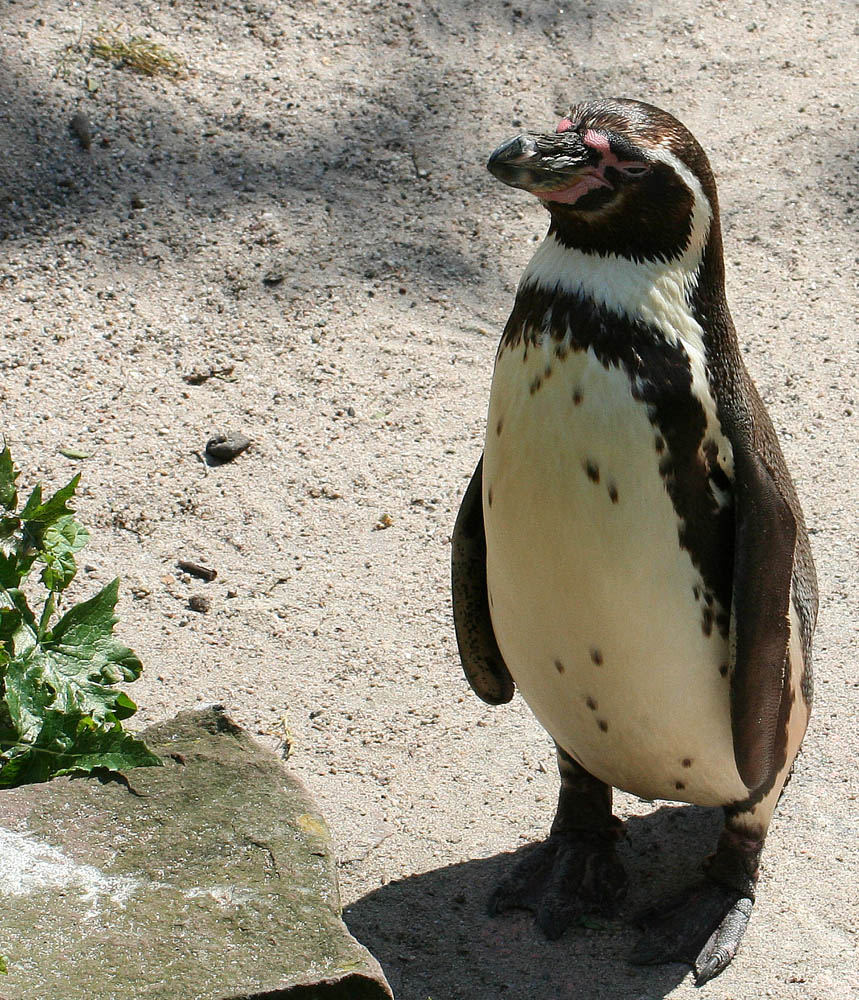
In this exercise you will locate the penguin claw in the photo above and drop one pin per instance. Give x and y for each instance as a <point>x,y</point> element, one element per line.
<point>721,946</point>
<point>568,875</point>
<point>703,928</point>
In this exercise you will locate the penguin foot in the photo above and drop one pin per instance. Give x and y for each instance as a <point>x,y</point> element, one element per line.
<point>702,927</point>
<point>570,874</point>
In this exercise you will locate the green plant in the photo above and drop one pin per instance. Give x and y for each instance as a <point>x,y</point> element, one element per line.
<point>60,712</point>
<point>140,54</point>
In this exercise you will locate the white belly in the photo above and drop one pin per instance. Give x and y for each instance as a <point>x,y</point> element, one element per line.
<point>593,601</point>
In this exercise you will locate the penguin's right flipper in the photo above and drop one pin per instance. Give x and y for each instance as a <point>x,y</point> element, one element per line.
<point>481,658</point>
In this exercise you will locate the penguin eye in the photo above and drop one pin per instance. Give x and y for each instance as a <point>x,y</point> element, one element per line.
<point>635,169</point>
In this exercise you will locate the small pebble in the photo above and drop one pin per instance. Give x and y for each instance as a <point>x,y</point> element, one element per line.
<point>196,602</point>
<point>80,128</point>
<point>224,447</point>
<point>199,377</point>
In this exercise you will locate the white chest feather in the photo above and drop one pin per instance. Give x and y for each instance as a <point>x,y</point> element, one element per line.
<point>594,603</point>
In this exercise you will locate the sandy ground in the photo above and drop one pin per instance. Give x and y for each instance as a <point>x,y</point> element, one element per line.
<point>308,208</point>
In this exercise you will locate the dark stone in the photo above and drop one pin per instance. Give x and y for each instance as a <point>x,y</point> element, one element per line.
<point>224,447</point>
<point>80,128</point>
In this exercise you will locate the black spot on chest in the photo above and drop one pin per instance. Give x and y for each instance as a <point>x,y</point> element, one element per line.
<point>660,376</point>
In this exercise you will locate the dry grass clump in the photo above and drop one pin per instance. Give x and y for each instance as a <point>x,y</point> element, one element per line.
<point>137,53</point>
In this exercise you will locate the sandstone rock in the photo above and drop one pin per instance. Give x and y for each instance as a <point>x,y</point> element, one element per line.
<point>210,878</point>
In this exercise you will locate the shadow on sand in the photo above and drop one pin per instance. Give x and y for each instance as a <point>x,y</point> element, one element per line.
<point>434,939</point>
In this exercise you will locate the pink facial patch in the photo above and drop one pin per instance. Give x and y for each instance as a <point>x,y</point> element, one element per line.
<point>591,177</point>
<point>596,140</point>
<point>599,142</point>
<point>571,194</point>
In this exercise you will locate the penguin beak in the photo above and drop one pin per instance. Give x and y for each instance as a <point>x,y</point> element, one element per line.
<point>557,167</point>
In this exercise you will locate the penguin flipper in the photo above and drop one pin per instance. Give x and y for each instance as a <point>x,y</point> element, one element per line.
<point>764,545</point>
<point>481,658</point>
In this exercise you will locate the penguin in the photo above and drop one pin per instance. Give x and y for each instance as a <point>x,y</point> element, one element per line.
<point>630,552</point>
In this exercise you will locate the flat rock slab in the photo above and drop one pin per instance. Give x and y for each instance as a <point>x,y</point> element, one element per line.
<point>210,878</point>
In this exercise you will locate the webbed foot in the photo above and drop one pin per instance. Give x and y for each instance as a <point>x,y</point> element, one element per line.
<point>568,875</point>
<point>575,871</point>
<point>703,926</point>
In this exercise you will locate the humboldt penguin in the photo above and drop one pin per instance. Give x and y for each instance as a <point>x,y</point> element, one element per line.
<point>630,552</point>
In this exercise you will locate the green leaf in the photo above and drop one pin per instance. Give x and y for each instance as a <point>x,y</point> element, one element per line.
<point>86,631</point>
<point>8,475</point>
<point>18,628</point>
<point>60,712</point>
<point>10,623</point>
<point>73,453</point>
<point>4,968</point>
<point>60,542</point>
<point>80,660</point>
<point>14,567</point>
<point>34,501</point>
<point>73,746</point>
<point>70,672</point>
<point>10,575</point>
<point>28,698</point>
<point>114,749</point>
<point>124,707</point>
<point>8,526</point>
<point>39,515</point>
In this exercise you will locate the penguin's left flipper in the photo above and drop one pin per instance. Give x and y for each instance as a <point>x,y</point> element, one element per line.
<point>703,928</point>
<point>764,548</point>
<point>478,649</point>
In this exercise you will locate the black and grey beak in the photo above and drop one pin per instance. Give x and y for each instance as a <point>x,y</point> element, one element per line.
<point>541,163</point>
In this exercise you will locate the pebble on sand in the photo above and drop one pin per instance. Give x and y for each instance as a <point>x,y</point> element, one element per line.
<point>225,447</point>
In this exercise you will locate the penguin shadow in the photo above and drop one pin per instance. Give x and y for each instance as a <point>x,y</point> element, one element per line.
<point>434,939</point>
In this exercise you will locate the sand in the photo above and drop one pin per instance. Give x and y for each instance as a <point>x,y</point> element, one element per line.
<point>302,225</point>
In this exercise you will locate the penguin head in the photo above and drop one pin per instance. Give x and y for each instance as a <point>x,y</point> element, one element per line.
<point>617,177</point>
